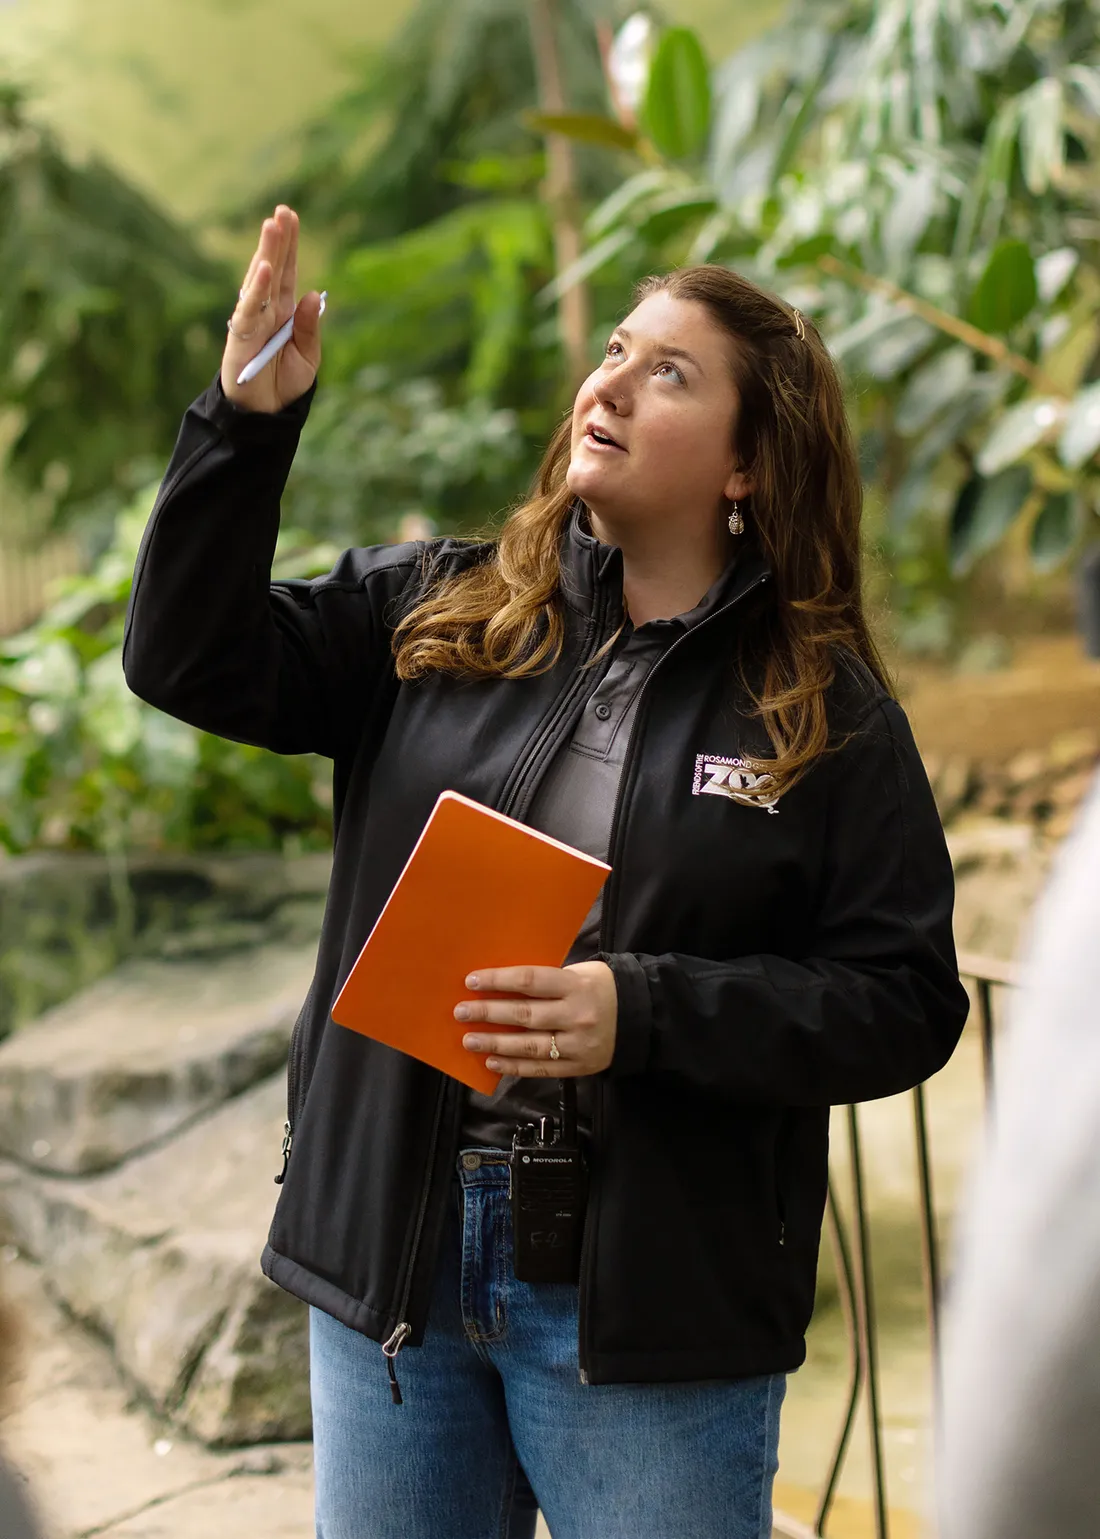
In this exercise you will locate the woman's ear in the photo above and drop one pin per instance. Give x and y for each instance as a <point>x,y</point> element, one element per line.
<point>738,487</point>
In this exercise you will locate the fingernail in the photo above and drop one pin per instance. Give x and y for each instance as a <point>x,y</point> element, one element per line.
<point>473,981</point>
<point>475,1044</point>
<point>462,1012</point>
<point>494,1064</point>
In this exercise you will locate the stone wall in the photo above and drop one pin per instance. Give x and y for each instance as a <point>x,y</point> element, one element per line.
<point>1041,787</point>
<point>66,920</point>
<point>1004,822</point>
<point>140,1131</point>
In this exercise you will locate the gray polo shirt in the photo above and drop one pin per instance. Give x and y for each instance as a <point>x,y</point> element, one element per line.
<point>576,804</point>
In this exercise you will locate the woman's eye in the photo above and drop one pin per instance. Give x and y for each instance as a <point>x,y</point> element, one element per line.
<point>613,349</point>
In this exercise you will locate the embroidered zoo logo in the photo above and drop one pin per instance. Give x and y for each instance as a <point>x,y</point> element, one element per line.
<point>716,775</point>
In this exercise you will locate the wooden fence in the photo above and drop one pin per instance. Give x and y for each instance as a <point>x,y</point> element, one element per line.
<point>26,573</point>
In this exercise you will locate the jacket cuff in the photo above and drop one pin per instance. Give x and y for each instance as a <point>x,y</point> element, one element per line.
<point>255,427</point>
<point>635,1023</point>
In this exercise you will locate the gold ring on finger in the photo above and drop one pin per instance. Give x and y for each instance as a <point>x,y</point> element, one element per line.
<point>554,1054</point>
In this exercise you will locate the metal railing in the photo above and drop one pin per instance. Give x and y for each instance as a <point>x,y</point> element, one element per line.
<point>851,1244</point>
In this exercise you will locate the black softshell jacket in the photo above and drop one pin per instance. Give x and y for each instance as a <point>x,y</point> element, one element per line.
<point>768,964</point>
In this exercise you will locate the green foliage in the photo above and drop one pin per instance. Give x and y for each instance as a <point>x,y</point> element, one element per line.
<point>921,179</point>
<point>452,299</point>
<point>1019,430</point>
<point>107,318</point>
<point>984,511</point>
<point>1054,532</point>
<point>86,765</point>
<point>376,453</point>
<point>1006,292</point>
<point>584,128</point>
<point>426,181</point>
<point>442,380</point>
<point>450,87</point>
<point>1080,438</point>
<point>676,110</point>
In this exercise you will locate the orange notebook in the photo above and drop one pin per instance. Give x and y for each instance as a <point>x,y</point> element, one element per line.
<point>479,890</point>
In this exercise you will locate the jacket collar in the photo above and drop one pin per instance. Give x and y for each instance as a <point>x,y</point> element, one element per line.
<point>589,568</point>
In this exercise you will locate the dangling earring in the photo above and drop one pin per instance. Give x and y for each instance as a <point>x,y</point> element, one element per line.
<point>737,519</point>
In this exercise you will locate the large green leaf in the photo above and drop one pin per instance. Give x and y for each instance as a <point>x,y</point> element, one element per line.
<point>624,200</point>
<point>884,342</point>
<point>984,512</point>
<point>1081,434</point>
<point>1015,434</point>
<point>585,127</point>
<point>1054,532</point>
<point>932,387</point>
<point>1007,290</point>
<point>806,252</point>
<point>676,111</point>
<point>1042,134</point>
<point>668,216</point>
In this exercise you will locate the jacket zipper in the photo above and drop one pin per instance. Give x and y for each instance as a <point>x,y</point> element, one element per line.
<point>393,1344</point>
<point>533,756</point>
<point>610,892</point>
<point>293,1074</point>
<point>292,1067</point>
<point>516,802</point>
<point>288,1140</point>
<point>780,1194</point>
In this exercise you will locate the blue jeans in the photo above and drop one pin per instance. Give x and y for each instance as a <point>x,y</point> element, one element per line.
<point>495,1416</point>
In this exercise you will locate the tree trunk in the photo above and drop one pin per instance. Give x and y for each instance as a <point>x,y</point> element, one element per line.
<point>559,189</point>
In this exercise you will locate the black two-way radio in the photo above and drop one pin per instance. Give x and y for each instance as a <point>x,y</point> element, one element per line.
<point>549,1191</point>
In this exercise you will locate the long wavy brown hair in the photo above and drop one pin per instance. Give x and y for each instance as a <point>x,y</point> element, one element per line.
<point>503,616</point>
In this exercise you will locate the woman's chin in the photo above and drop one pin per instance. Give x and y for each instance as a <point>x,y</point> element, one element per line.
<point>587,481</point>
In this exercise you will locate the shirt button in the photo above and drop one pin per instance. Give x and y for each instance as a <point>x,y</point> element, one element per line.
<point>603,711</point>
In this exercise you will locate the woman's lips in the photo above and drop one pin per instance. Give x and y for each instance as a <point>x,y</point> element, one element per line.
<point>603,448</point>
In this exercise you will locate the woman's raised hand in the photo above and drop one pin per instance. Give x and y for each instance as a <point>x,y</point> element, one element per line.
<point>266,302</point>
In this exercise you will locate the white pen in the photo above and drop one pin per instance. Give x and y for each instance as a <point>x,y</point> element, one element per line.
<point>273,348</point>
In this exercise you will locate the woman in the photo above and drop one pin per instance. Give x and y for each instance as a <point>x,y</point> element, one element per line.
<point>663,660</point>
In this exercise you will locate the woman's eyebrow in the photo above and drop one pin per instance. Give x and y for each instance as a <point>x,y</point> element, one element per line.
<point>664,347</point>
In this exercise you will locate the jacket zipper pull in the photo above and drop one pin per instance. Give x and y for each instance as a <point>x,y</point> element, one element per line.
<point>390,1349</point>
<point>288,1139</point>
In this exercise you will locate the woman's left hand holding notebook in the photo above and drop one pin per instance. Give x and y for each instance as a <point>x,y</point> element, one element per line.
<point>573,1010</point>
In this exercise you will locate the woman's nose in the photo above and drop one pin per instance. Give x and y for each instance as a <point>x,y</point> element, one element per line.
<point>610,392</point>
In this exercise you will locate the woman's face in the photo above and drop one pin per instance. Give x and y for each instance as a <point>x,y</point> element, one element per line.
<point>665,395</point>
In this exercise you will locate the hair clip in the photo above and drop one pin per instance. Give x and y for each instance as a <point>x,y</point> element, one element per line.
<point>799,325</point>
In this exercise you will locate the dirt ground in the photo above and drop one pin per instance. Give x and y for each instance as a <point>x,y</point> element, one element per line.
<point>1050,688</point>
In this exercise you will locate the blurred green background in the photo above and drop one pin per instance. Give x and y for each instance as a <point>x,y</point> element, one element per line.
<point>920,178</point>
<point>196,101</point>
